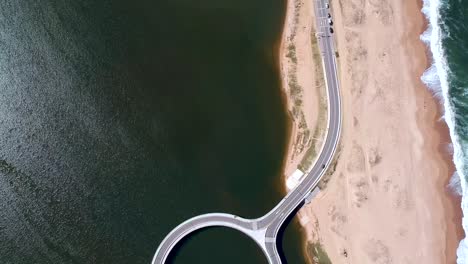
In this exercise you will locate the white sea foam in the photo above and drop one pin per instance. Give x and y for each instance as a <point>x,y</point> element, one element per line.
<point>455,185</point>
<point>436,78</point>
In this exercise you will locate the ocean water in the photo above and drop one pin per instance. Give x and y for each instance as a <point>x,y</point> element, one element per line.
<point>120,119</point>
<point>447,37</point>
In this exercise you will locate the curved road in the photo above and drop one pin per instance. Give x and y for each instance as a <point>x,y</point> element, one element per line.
<point>264,230</point>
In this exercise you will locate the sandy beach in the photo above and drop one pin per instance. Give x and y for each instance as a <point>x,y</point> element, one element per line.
<point>386,200</point>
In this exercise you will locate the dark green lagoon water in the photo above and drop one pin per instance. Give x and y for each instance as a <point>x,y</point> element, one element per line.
<point>121,119</point>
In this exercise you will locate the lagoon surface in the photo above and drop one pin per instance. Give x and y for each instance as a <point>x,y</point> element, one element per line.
<point>121,119</point>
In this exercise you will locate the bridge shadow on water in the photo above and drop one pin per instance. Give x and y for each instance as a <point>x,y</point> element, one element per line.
<point>282,231</point>
<point>177,248</point>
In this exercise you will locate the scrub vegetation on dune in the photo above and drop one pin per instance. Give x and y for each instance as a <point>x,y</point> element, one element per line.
<point>317,136</point>
<point>295,90</point>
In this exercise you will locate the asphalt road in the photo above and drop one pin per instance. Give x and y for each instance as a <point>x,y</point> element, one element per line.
<point>264,230</point>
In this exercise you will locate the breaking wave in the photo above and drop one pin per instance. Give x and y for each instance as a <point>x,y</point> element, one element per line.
<point>437,78</point>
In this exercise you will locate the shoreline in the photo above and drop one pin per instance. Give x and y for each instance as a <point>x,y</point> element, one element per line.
<point>434,125</point>
<point>299,82</point>
<point>453,210</point>
<point>432,135</point>
<point>440,130</point>
<point>302,87</point>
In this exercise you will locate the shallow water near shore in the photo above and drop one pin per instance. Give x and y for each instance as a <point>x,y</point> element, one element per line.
<point>122,119</point>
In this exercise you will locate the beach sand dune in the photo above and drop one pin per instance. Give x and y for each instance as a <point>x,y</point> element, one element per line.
<point>386,200</point>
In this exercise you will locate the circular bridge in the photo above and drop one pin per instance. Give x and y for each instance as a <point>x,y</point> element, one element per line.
<point>246,226</point>
<point>264,230</point>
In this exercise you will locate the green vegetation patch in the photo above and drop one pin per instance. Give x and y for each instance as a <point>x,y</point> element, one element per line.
<point>311,152</point>
<point>292,53</point>
<point>309,156</point>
